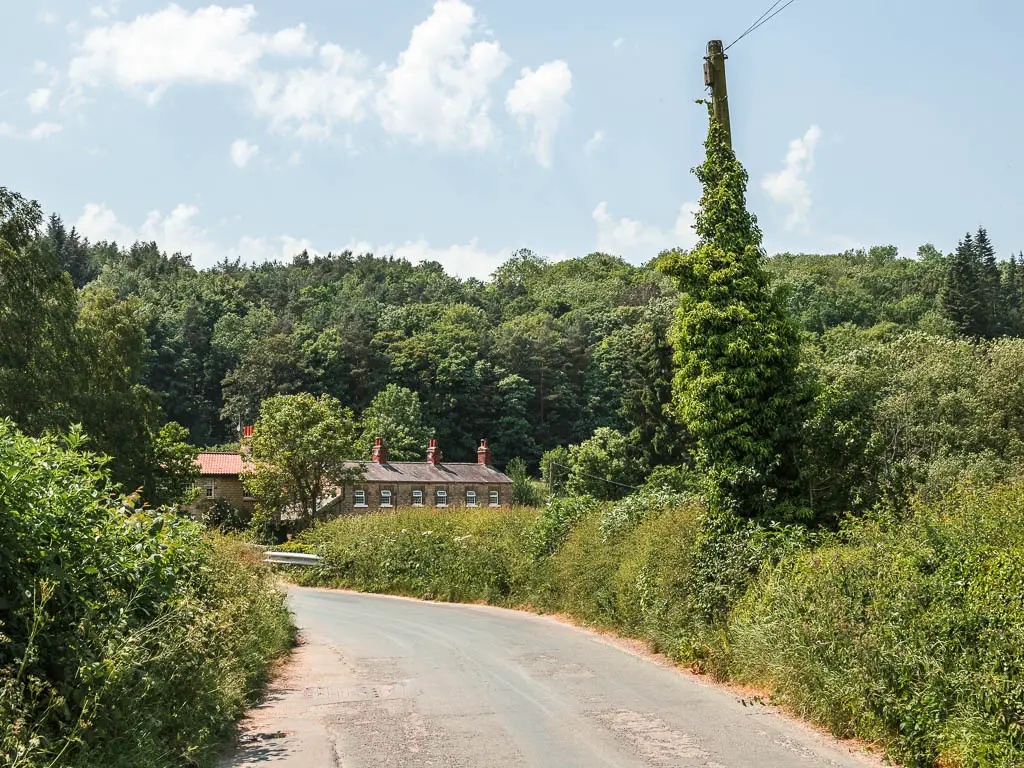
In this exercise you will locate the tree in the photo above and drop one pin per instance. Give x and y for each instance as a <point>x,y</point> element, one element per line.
<point>70,251</point>
<point>524,492</point>
<point>395,416</point>
<point>604,466</point>
<point>175,468</point>
<point>512,431</point>
<point>736,387</point>
<point>992,303</point>
<point>299,448</point>
<point>962,294</point>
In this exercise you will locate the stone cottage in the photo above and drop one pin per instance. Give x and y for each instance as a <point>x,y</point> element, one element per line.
<point>431,483</point>
<point>220,480</point>
<point>384,485</point>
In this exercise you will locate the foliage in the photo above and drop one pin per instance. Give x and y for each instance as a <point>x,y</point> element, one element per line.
<point>902,631</point>
<point>604,466</point>
<point>176,469</point>
<point>225,517</point>
<point>127,636</point>
<point>735,388</point>
<point>525,492</point>
<point>556,520</point>
<point>394,416</point>
<point>299,448</point>
<point>555,468</point>
<point>627,513</point>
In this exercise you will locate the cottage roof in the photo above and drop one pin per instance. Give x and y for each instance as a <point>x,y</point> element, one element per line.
<point>424,472</point>
<point>218,463</point>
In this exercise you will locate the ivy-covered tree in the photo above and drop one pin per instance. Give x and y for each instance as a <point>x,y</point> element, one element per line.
<point>736,387</point>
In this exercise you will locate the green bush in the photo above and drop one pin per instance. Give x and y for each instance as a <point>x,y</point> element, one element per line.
<point>907,633</point>
<point>128,637</point>
<point>556,520</point>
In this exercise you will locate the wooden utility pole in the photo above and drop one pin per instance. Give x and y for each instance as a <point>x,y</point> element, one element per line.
<point>714,78</point>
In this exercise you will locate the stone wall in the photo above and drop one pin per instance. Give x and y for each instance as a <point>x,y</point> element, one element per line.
<point>226,488</point>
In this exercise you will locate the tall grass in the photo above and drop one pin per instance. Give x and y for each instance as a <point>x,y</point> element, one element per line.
<point>906,631</point>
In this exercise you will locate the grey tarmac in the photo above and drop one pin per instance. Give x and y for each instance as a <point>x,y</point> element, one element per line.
<point>384,681</point>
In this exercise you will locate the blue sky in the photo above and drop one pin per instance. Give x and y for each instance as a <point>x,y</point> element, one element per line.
<point>461,130</point>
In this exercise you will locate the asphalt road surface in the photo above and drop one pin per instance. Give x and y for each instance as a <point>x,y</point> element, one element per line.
<point>383,681</point>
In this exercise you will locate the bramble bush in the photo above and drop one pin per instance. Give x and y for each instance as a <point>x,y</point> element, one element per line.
<point>128,636</point>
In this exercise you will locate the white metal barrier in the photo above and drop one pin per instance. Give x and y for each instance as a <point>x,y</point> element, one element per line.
<point>292,558</point>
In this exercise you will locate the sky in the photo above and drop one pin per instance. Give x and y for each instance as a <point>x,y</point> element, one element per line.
<point>462,130</point>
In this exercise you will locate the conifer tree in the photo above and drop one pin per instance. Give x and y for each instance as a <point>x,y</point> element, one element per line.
<point>736,389</point>
<point>992,303</point>
<point>962,292</point>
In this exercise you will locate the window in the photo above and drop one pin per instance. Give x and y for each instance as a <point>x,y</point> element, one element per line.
<point>360,498</point>
<point>442,497</point>
<point>417,498</point>
<point>385,498</point>
<point>470,498</point>
<point>494,498</point>
<point>208,486</point>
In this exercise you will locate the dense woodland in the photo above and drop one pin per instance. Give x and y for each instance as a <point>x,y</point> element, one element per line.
<point>908,361</point>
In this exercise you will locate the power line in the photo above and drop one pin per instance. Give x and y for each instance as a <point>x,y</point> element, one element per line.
<point>573,470</point>
<point>749,29</point>
<point>761,21</point>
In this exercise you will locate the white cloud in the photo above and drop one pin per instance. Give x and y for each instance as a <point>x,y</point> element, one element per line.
<point>44,130</point>
<point>6,129</point>
<point>38,100</point>
<point>789,186</point>
<point>256,250</point>
<point>242,151</point>
<point>440,89</point>
<point>48,17</point>
<point>174,232</point>
<point>617,42</point>
<point>310,101</point>
<point>635,240</point>
<point>105,10</point>
<point>46,70</point>
<point>594,142</point>
<point>156,50</point>
<point>538,97</point>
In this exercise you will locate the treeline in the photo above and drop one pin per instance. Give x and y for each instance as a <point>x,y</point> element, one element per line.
<point>126,338</point>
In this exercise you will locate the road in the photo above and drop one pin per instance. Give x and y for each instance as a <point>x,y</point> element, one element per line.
<point>383,681</point>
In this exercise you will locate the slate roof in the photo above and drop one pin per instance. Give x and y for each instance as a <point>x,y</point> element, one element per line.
<point>423,472</point>
<point>215,463</point>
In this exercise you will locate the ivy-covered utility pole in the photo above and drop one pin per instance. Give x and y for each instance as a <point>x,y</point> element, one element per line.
<point>714,78</point>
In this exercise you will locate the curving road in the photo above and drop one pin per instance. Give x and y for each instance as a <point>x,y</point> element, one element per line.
<point>382,681</point>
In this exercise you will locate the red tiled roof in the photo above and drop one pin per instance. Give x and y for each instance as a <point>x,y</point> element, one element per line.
<point>211,463</point>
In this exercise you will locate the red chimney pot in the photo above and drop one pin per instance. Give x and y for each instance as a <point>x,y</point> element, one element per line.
<point>380,453</point>
<point>483,454</point>
<point>433,454</point>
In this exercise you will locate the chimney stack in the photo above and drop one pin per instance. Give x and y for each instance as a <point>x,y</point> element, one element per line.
<point>380,453</point>
<point>433,454</point>
<point>483,454</point>
<point>244,448</point>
